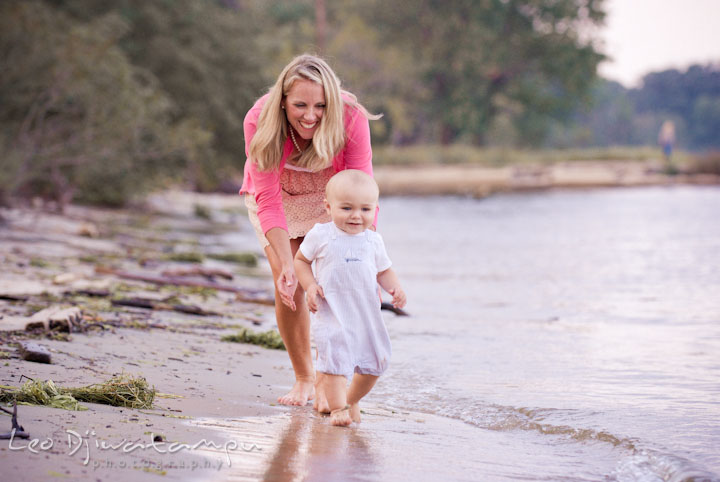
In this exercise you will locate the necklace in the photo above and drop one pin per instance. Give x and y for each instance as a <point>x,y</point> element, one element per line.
<point>292,136</point>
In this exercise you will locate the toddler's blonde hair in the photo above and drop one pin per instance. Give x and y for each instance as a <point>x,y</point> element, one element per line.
<point>351,179</point>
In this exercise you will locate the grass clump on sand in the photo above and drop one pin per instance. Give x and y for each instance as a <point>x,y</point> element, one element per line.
<point>247,259</point>
<point>268,339</point>
<point>189,257</point>
<point>119,391</point>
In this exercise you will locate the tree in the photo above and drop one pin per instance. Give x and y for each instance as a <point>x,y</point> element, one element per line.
<point>204,55</point>
<point>79,120</point>
<point>476,57</point>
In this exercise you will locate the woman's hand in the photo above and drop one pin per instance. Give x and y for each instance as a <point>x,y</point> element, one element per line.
<point>286,285</point>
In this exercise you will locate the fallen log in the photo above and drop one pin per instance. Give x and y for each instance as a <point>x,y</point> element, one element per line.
<point>389,307</point>
<point>159,305</point>
<point>55,318</point>
<point>209,273</point>
<point>242,294</point>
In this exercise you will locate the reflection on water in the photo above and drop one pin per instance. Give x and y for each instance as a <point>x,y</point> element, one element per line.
<point>294,446</point>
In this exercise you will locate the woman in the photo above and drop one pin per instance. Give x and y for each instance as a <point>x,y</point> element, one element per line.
<point>304,130</point>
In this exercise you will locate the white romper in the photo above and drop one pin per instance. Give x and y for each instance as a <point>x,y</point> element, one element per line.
<point>348,328</point>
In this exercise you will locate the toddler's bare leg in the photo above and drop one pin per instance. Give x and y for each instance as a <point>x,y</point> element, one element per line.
<point>335,388</point>
<point>360,386</point>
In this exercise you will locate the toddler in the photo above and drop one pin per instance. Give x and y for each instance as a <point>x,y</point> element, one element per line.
<point>349,261</point>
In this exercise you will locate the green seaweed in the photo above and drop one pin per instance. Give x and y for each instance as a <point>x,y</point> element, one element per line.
<point>188,257</point>
<point>269,339</point>
<point>246,259</point>
<point>119,391</point>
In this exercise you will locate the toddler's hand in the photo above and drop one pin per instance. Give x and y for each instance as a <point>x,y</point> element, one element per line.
<point>399,298</point>
<point>312,297</point>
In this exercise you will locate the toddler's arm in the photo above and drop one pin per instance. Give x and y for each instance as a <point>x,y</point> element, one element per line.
<point>390,283</point>
<point>303,270</point>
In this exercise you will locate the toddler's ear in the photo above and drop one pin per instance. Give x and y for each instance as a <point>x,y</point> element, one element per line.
<point>327,205</point>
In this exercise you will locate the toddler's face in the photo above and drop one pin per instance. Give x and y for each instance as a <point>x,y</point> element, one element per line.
<point>352,210</point>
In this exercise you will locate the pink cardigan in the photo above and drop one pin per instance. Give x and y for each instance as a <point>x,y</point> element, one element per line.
<point>265,185</point>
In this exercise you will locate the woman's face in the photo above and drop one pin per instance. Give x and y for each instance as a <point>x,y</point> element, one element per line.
<point>304,107</point>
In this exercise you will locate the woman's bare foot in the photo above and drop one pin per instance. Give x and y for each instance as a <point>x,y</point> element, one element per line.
<point>355,412</point>
<point>320,404</point>
<point>341,417</point>
<point>301,392</point>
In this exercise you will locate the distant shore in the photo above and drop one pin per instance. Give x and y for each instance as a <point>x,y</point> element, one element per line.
<point>480,181</point>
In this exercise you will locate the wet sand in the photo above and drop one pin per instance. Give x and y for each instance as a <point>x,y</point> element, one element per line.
<point>216,407</point>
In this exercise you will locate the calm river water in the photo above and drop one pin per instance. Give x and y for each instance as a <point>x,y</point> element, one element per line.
<point>577,331</point>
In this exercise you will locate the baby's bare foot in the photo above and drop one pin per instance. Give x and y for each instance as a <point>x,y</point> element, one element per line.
<point>301,392</point>
<point>355,412</point>
<point>341,417</point>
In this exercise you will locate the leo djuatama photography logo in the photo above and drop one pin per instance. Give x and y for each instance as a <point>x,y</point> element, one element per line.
<point>88,444</point>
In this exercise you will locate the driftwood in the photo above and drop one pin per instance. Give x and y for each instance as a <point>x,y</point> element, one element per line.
<point>54,318</point>
<point>209,273</point>
<point>242,294</point>
<point>17,430</point>
<point>100,293</point>
<point>159,305</point>
<point>398,311</point>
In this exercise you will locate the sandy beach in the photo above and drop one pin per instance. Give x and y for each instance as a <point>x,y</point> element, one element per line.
<point>214,411</point>
<point>214,416</point>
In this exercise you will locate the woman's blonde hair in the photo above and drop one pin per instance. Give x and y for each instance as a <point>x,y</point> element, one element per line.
<point>266,147</point>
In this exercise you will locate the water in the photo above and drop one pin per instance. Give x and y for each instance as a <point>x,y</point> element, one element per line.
<point>578,329</point>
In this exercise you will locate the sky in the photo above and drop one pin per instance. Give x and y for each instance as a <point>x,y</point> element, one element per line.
<point>644,36</point>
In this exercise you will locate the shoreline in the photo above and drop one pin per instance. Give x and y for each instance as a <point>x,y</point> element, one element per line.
<point>480,181</point>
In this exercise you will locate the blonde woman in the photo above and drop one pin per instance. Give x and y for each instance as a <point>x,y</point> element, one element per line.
<point>304,130</point>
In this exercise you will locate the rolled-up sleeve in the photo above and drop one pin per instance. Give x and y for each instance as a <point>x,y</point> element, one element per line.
<point>358,149</point>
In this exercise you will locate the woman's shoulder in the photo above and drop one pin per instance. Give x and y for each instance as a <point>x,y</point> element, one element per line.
<point>254,113</point>
<point>350,104</point>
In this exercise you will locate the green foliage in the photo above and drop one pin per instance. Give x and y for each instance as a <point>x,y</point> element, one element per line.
<point>188,257</point>
<point>247,259</point>
<point>103,101</point>
<point>616,115</point>
<point>269,339</point>
<point>524,59</point>
<point>81,121</point>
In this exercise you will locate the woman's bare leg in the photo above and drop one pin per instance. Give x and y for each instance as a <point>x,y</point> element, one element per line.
<point>294,327</point>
